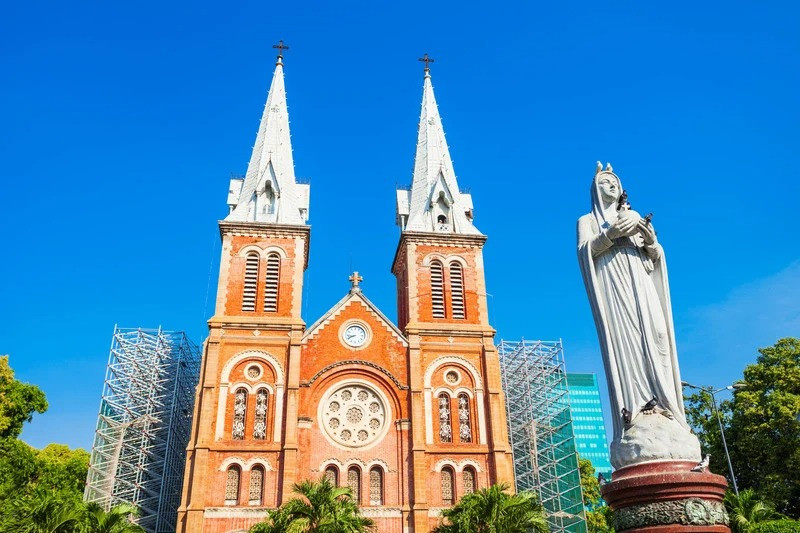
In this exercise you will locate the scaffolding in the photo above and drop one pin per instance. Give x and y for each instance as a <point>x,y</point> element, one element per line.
<point>540,429</point>
<point>144,425</point>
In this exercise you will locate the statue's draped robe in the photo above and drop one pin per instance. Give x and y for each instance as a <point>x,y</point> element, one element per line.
<point>629,294</point>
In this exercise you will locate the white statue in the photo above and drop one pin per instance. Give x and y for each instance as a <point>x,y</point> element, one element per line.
<point>625,275</point>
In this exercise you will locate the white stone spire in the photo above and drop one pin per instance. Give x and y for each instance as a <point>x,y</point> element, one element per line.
<point>434,202</point>
<point>269,191</point>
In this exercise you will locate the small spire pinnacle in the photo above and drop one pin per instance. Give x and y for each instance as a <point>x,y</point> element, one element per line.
<point>281,47</point>
<point>427,60</point>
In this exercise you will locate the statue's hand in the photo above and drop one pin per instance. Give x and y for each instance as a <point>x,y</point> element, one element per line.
<point>622,227</point>
<point>647,232</point>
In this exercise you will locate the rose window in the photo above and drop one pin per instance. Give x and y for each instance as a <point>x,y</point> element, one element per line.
<point>353,415</point>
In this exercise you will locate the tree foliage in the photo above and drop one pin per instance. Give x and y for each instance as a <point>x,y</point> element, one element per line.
<point>322,508</point>
<point>746,510</point>
<point>761,425</point>
<point>18,401</point>
<point>493,510</point>
<point>598,515</point>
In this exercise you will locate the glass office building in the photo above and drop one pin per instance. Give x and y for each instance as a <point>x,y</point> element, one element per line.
<point>587,419</point>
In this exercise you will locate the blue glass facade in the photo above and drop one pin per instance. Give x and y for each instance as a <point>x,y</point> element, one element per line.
<point>587,419</point>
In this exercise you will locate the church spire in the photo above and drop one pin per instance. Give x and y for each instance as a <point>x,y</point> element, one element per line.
<point>269,191</point>
<point>434,202</point>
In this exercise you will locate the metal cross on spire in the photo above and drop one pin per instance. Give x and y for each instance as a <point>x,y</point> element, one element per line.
<point>281,47</point>
<point>426,59</point>
<point>355,279</point>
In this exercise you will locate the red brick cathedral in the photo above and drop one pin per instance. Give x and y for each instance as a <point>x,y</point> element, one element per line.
<point>411,415</point>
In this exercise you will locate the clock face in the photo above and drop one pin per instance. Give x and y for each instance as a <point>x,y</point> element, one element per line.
<point>355,335</point>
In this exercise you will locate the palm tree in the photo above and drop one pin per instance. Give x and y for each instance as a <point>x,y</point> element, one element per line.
<point>323,508</point>
<point>117,520</point>
<point>493,510</point>
<point>47,514</point>
<point>746,510</point>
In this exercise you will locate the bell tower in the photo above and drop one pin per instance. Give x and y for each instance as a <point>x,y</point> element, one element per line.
<point>442,308</point>
<point>245,422</point>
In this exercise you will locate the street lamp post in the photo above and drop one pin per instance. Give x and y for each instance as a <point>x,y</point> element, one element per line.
<point>711,391</point>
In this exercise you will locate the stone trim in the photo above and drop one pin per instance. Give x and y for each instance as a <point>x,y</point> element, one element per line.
<point>687,512</point>
<point>355,362</point>
<point>380,512</point>
<point>251,513</point>
<point>343,304</point>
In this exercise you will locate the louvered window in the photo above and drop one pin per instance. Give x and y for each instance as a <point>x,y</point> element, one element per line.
<point>250,282</point>
<point>272,283</point>
<point>457,289</point>
<point>256,485</point>
<point>437,289</point>
<point>448,494</point>
<point>376,486</point>
<point>354,482</point>
<point>232,486</point>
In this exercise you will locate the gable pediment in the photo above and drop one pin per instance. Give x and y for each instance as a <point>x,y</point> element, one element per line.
<point>345,309</point>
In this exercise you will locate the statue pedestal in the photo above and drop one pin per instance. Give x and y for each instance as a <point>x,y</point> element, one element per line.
<point>666,497</point>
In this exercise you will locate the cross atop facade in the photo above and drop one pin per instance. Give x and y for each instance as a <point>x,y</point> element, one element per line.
<point>281,47</point>
<point>425,59</point>
<point>355,279</point>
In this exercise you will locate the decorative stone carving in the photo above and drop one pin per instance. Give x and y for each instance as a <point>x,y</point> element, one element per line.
<point>445,428</point>
<point>687,512</point>
<point>464,429</point>
<point>239,411</point>
<point>260,427</point>
<point>353,415</point>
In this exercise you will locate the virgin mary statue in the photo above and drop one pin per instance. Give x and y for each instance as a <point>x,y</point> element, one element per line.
<point>625,274</point>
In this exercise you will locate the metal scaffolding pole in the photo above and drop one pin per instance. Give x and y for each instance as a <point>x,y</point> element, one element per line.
<point>143,425</point>
<point>540,429</point>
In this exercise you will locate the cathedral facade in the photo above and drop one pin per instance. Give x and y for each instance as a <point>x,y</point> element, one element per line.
<point>410,416</point>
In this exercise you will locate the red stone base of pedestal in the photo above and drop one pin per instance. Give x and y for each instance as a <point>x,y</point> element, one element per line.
<point>666,497</point>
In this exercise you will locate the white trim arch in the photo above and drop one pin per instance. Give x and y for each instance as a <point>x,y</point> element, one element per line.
<point>224,386</point>
<point>441,463</point>
<point>458,467</point>
<point>262,252</point>
<point>246,465</point>
<point>251,388</point>
<point>478,398</point>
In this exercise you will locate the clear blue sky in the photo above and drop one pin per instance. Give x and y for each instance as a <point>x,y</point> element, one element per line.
<point>121,123</point>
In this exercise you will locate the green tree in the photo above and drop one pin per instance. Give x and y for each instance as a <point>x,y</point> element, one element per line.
<point>322,508</point>
<point>598,515</point>
<point>18,401</point>
<point>747,510</point>
<point>493,510</point>
<point>761,425</point>
<point>117,520</point>
<point>45,514</point>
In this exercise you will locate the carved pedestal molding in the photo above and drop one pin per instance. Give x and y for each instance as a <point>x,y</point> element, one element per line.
<point>666,497</point>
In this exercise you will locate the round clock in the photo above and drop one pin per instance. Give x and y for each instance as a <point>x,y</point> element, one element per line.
<point>355,335</point>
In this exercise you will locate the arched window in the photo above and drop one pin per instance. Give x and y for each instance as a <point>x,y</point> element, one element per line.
<point>376,486</point>
<point>437,289</point>
<point>457,290</point>
<point>464,425</point>
<point>469,480</point>
<point>256,485</point>
<point>272,283</point>
<point>332,475</point>
<point>448,487</point>
<point>239,412</point>
<point>250,282</point>
<point>441,219</point>
<point>260,425</point>
<point>445,426</point>
<point>232,485</point>
<point>354,482</point>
